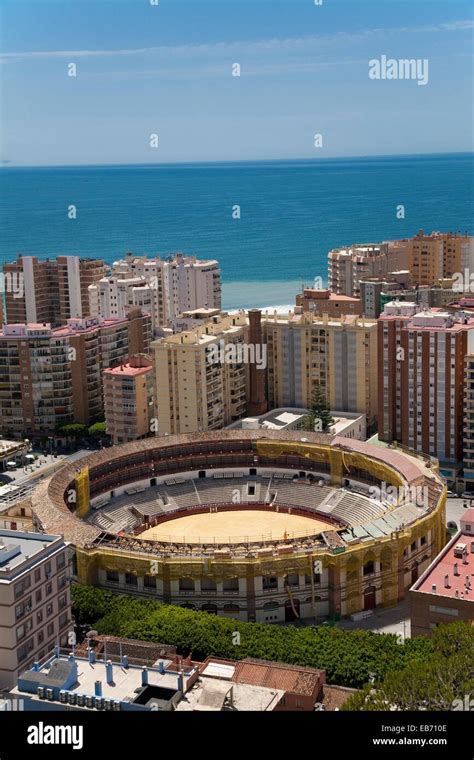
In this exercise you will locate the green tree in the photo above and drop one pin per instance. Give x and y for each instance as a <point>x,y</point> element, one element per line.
<point>72,430</point>
<point>319,417</point>
<point>97,430</point>
<point>348,657</point>
<point>432,683</point>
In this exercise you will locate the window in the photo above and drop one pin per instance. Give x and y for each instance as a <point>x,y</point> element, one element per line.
<point>112,576</point>
<point>149,581</point>
<point>37,575</point>
<point>62,580</point>
<point>186,584</point>
<point>230,584</point>
<point>48,589</point>
<point>63,620</point>
<point>61,561</point>
<point>422,540</point>
<point>24,650</point>
<point>38,596</point>
<point>369,568</point>
<point>413,546</point>
<point>39,617</point>
<point>49,610</point>
<point>23,609</point>
<point>62,601</point>
<point>130,579</point>
<point>269,582</point>
<point>40,637</point>
<point>47,569</point>
<point>50,629</point>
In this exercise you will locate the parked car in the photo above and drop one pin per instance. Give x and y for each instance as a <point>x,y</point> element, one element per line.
<point>468,495</point>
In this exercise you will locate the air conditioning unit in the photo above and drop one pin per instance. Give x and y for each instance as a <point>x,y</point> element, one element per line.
<point>71,698</point>
<point>116,705</point>
<point>98,703</point>
<point>89,701</point>
<point>40,692</point>
<point>107,704</point>
<point>81,700</point>
<point>63,696</point>
<point>49,694</point>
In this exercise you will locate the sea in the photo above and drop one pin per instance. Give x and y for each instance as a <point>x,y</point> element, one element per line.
<point>270,223</point>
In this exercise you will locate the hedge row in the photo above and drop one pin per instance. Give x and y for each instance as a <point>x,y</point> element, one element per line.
<point>350,658</point>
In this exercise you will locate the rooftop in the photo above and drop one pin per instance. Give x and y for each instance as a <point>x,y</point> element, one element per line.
<point>123,684</point>
<point>452,572</point>
<point>18,547</point>
<point>275,675</point>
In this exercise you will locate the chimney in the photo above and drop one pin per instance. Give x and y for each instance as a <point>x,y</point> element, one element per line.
<point>257,403</point>
<point>109,671</point>
<point>433,588</point>
<point>144,676</point>
<point>456,569</point>
<point>98,688</point>
<point>446,581</point>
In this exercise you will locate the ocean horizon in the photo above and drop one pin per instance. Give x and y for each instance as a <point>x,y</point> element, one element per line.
<point>292,212</point>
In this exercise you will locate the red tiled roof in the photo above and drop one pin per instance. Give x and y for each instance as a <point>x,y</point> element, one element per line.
<point>288,678</point>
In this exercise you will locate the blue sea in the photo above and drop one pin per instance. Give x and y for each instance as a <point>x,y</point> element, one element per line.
<point>291,213</point>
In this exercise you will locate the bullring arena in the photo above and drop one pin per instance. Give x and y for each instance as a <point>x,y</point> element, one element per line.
<point>257,525</point>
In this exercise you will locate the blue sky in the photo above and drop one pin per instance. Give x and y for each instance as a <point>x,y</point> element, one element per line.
<point>167,69</point>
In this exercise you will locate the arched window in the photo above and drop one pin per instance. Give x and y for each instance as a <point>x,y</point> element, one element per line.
<point>270,606</point>
<point>231,608</point>
<point>210,608</point>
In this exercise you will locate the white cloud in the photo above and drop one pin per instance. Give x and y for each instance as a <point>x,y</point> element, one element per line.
<point>288,44</point>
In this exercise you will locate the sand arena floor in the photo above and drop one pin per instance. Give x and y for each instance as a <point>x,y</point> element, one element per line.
<point>237,526</point>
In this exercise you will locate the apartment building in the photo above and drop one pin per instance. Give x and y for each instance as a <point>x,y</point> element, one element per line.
<point>34,599</point>
<point>179,283</point>
<point>468,431</point>
<point>347,266</point>
<point>437,255</point>
<point>422,355</point>
<point>324,302</point>
<point>113,297</point>
<point>50,290</point>
<point>202,376</point>
<point>129,399</point>
<point>444,592</point>
<point>53,376</point>
<point>340,355</point>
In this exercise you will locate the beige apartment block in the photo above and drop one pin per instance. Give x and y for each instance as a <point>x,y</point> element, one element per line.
<point>129,399</point>
<point>347,266</point>
<point>437,255</point>
<point>35,600</point>
<point>193,391</point>
<point>49,291</point>
<point>340,355</point>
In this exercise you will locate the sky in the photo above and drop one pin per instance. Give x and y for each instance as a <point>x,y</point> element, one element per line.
<point>167,70</point>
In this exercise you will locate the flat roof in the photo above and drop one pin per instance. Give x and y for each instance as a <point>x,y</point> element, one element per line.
<point>17,547</point>
<point>444,565</point>
<point>125,681</point>
<point>240,696</point>
<point>125,370</point>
